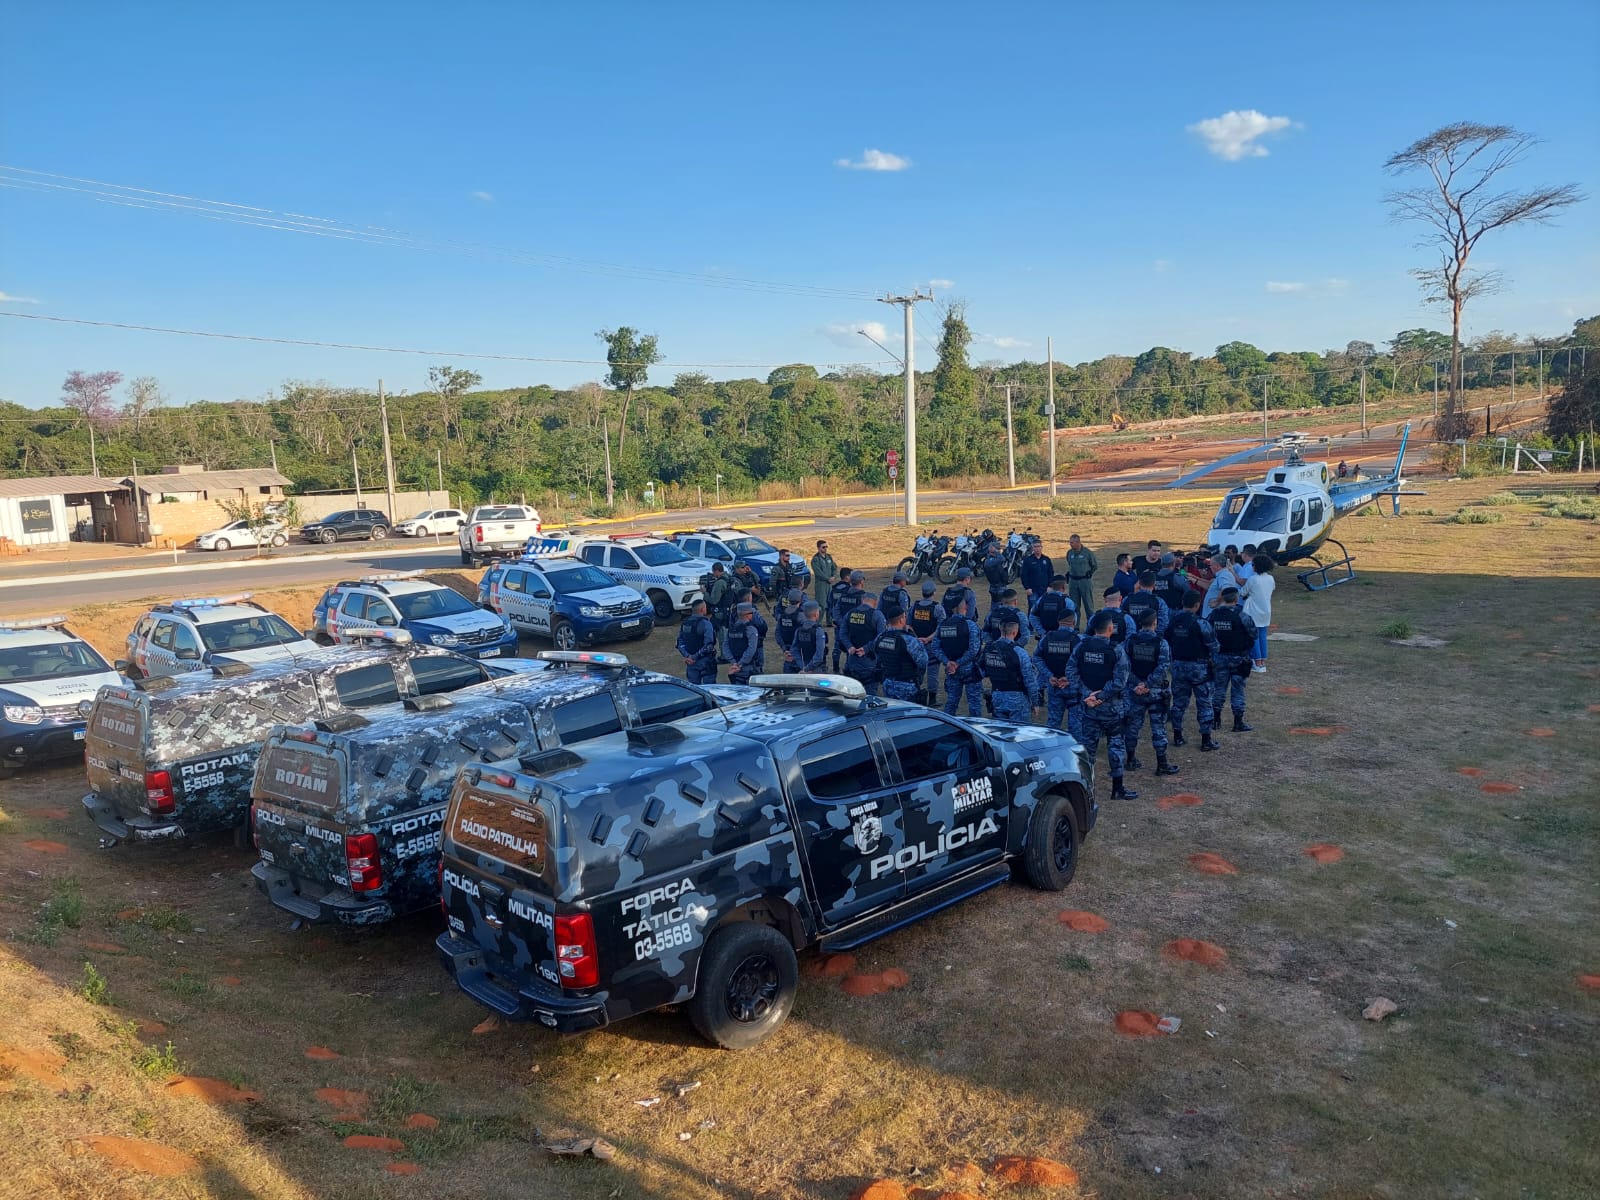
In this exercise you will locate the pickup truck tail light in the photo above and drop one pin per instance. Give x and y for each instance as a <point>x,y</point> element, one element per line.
<point>158,796</point>
<point>575,953</point>
<point>361,861</point>
<point>477,533</point>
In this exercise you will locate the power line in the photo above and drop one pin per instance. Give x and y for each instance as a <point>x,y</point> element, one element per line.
<point>469,354</point>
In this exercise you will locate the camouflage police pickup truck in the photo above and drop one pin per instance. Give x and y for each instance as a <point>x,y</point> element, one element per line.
<point>688,863</point>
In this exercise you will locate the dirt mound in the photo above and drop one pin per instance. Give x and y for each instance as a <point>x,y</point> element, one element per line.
<point>875,985</point>
<point>418,1120</point>
<point>1019,1171</point>
<point>1324,852</point>
<point>402,1168</point>
<point>321,1054</point>
<point>1138,1023</point>
<point>212,1091</point>
<point>135,1154</point>
<point>41,1066</point>
<point>1179,800</point>
<point>45,846</point>
<point>881,1189</point>
<point>347,1104</point>
<point>372,1141</point>
<point>1212,864</point>
<point>1541,731</point>
<point>1207,954</point>
<point>1500,789</point>
<point>1083,922</point>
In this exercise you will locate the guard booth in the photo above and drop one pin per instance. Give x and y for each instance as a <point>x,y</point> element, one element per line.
<point>51,509</point>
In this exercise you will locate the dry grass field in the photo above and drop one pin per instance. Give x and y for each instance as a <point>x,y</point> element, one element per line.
<point>1452,792</point>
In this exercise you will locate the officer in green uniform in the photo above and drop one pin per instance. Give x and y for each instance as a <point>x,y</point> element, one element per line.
<point>823,573</point>
<point>1081,566</point>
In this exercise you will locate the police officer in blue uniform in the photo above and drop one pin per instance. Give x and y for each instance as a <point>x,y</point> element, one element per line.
<point>902,659</point>
<point>858,637</point>
<point>1236,640</point>
<point>1036,571</point>
<point>1053,608</point>
<point>923,620</point>
<point>1143,600</point>
<point>843,596</point>
<point>895,593</point>
<point>1193,644</point>
<point>744,644</point>
<point>785,620</point>
<point>1050,656</point>
<point>810,645</point>
<point>957,647</point>
<point>1009,671</point>
<point>837,591</point>
<point>1003,611</point>
<point>697,644</point>
<point>1121,628</point>
<point>997,573</point>
<point>1099,671</point>
<point>961,590</point>
<point>1148,693</point>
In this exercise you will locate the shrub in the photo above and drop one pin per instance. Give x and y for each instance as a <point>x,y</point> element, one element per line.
<point>1464,516</point>
<point>1501,499</point>
<point>94,988</point>
<point>156,1062</point>
<point>1574,507</point>
<point>1398,629</point>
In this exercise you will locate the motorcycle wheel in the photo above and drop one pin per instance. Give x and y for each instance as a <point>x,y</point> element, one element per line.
<point>946,569</point>
<point>912,567</point>
<point>1013,569</point>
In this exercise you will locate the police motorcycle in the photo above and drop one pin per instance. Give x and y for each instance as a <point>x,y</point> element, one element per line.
<point>1016,548</point>
<point>925,557</point>
<point>960,554</point>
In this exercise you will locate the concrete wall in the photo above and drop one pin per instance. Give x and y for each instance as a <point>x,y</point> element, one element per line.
<point>406,504</point>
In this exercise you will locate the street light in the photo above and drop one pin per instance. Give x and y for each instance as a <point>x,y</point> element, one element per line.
<point>719,487</point>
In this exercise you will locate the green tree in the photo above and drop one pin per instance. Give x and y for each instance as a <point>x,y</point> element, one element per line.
<point>450,384</point>
<point>955,436</point>
<point>631,355</point>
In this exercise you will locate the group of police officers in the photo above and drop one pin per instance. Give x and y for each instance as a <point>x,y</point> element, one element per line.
<point>1146,654</point>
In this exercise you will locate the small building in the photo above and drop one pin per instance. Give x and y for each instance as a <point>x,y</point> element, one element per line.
<point>56,508</point>
<point>47,509</point>
<point>184,486</point>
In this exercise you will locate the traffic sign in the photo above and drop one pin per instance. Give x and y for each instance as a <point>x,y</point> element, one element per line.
<point>892,458</point>
<point>893,471</point>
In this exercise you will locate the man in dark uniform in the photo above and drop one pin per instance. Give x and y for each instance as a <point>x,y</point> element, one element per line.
<point>785,620</point>
<point>848,593</point>
<point>744,644</point>
<point>902,659</point>
<point>1052,609</point>
<point>823,573</point>
<point>745,580</point>
<point>957,647</point>
<point>997,573</point>
<point>1050,656</point>
<point>719,605</point>
<point>1236,640</point>
<point>697,644</point>
<point>786,575</point>
<point>1009,671</point>
<point>1036,572</point>
<point>858,636</point>
<point>810,645</point>
<point>1005,610</point>
<point>741,596</point>
<point>1098,671</point>
<point>923,621</point>
<point>1081,566</point>
<point>1193,644</point>
<point>961,590</point>
<point>837,591</point>
<point>1121,628</point>
<point>895,593</point>
<point>1149,692</point>
<point>1172,583</point>
<point>1143,600</point>
<point>1126,578</point>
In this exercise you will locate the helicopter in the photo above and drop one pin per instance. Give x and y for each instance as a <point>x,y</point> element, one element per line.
<point>1290,513</point>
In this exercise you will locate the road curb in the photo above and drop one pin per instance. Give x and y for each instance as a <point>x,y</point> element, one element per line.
<point>232,564</point>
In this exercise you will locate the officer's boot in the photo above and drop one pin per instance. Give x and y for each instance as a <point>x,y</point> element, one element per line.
<point>1118,792</point>
<point>1238,724</point>
<point>1163,767</point>
<point>1177,738</point>
<point>1207,742</point>
<point>1133,761</point>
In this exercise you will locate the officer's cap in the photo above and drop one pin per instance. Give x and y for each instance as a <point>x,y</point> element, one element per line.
<point>1168,559</point>
<point>794,594</point>
<point>899,577</point>
<point>892,610</point>
<point>927,587</point>
<point>810,606</point>
<point>963,572</point>
<point>742,609</point>
<point>856,577</point>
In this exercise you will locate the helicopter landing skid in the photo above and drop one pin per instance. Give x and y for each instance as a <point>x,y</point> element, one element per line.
<point>1318,579</point>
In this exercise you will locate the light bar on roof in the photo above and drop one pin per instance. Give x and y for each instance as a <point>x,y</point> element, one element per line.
<point>546,547</point>
<point>400,637</point>
<point>210,601</point>
<point>387,576</point>
<point>588,658</point>
<point>54,622</point>
<point>823,685</point>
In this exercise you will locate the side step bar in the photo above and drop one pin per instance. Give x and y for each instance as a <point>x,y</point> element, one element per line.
<point>903,914</point>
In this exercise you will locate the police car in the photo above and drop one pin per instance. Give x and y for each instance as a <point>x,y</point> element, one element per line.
<point>46,672</point>
<point>190,635</point>
<point>433,614</point>
<point>347,813</point>
<point>688,863</point>
<point>648,563</point>
<point>573,603</point>
<point>730,546</point>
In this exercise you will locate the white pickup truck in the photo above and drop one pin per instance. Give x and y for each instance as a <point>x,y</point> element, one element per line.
<point>495,530</point>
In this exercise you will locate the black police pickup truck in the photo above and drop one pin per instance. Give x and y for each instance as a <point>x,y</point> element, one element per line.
<point>173,756</point>
<point>688,863</point>
<point>347,813</point>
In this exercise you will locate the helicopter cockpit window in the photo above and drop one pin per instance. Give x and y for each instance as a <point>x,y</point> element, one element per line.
<point>1265,514</point>
<point>1228,514</point>
<point>1316,511</point>
<point>1297,516</point>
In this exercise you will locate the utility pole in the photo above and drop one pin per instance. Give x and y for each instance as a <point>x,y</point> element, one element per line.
<point>1513,377</point>
<point>438,464</point>
<point>605,435</point>
<point>1011,442</point>
<point>1436,390</point>
<point>94,460</point>
<point>1050,404</point>
<point>1265,380</point>
<point>908,303</point>
<point>388,452</point>
<point>273,446</point>
<point>356,467</point>
<point>1363,399</point>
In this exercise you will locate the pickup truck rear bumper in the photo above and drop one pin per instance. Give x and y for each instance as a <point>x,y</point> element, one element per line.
<point>531,1002</point>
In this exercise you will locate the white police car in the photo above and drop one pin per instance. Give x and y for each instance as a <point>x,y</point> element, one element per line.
<point>46,672</point>
<point>651,565</point>
<point>731,546</point>
<point>433,614</point>
<point>573,603</point>
<point>180,636</point>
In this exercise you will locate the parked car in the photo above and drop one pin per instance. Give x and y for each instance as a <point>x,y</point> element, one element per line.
<point>730,546</point>
<point>240,533</point>
<point>173,757</point>
<point>178,636</point>
<point>651,565</point>
<point>688,863</point>
<point>346,525</point>
<point>497,529</point>
<point>566,600</point>
<point>431,521</point>
<point>433,614</point>
<point>347,819</point>
<point>46,673</point>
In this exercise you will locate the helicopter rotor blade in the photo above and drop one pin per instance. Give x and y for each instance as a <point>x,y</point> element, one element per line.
<point>1242,456</point>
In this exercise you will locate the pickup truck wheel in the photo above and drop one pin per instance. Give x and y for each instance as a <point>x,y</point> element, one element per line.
<point>663,605</point>
<point>564,636</point>
<point>1052,853</point>
<point>748,978</point>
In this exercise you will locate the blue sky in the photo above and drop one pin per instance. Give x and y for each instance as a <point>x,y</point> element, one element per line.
<point>1055,176</point>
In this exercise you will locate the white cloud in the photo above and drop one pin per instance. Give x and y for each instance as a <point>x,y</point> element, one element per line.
<point>1278,288</point>
<point>848,333</point>
<point>875,160</point>
<point>1327,287</point>
<point>1336,287</point>
<point>6,298</point>
<point>1006,343</point>
<point>486,197</point>
<point>943,285</point>
<point>1234,135</point>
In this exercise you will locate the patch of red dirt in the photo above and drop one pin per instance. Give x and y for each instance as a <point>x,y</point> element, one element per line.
<point>1470,772</point>
<point>1083,922</point>
<point>150,1028</point>
<point>345,1103</point>
<point>230,981</point>
<point>1207,954</point>
<point>1290,691</point>
<point>1541,731</point>
<point>371,1141</point>
<point>1135,1023</point>
<point>1212,864</point>
<point>488,1025</point>
<point>965,1175</point>
<point>1324,852</point>
<point>834,965</point>
<point>130,914</point>
<point>1594,708</point>
<point>45,846</point>
<point>895,977</point>
<point>53,814</point>
<point>1512,635</point>
<point>881,1189</point>
<point>1179,800</point>
<point>864,985</point>
<point>212,1091</point>
<point>321,1054</point>
<point>135,1154</point>
<point>1592,982</point>
<point>1020,1171</point>
<point>1313,731</point>
<point>105,947</point>
<point>1500,789</point>
<point>402,1168</point>
<point>421,1121</point>
<point>41,1066</point>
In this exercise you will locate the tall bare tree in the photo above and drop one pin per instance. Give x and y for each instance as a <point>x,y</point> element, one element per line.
<point>450,384</point>
<point>631,356</point>
<point>1458,205</point>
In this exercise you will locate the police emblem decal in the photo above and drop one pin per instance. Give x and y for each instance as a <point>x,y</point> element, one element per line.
<point>866,827</point>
